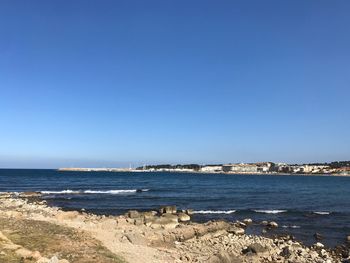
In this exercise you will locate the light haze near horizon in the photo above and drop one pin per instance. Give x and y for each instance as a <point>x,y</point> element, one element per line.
<point>113,83</point>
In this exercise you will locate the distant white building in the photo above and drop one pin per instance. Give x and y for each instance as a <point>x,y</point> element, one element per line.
<point>240,168</point>
<point>211,169</point>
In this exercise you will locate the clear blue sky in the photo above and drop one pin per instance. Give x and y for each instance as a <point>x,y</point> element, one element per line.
<point>108,83</point>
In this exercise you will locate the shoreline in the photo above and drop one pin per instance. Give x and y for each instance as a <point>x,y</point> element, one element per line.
<point>167,235</point>
<point>126,170</point>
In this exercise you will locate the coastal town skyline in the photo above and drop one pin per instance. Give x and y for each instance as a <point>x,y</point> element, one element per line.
<point>334,168</point>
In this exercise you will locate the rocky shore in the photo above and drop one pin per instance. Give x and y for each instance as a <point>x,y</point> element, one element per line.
<point>31,231</point>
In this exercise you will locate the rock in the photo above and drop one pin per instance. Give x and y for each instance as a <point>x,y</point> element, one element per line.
<point>319,245</point>
<point>247,221</point>
<point>240,224</point>
<point>189,211</point>
<point>149,214</point>
<point>224,257</point>
<point>139,221</point>
<point>3,238</point>
<point>136,239</point>
<point>183,217</point>
<point>272,224</point>
<point>36,255</point>
<point>166,221</point>
<point>318,236</point>
<point>43,260</point>
<point>63,261</point>
<point>254,248</point>
<point>236,230</point>
<point>264,223</point>
<point>168,209</point>
<point>286,253</point>
<point>185,233</point>
<point>11,246</point>
<point>348,239</point>
<point>170,225</point>
<point>171,217</point>
<point>54,259</point>
<point>23,252</point>
<point>133,214</point>
<point>30,194</point>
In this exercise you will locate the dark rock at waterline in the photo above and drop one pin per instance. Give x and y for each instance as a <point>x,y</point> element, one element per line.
<point>170,209</point>
<point>133,214</point>
<point>272,224</point>
<point>318,236</point>
<point>264,223</point>
<point>235,230</point>
<point>30,194</point>
<point>285,252</point>
<point>254,248</point>
<point>343,251</point>
<point>138,190</point>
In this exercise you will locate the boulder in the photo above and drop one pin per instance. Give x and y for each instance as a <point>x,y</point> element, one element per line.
<point>171,217</point>
<point>240,224</point>
<point>224,257</point>
<point>30,194</point>
<point>247,221</point>
<point>170,209</point>
<point>183,217</point>
<point>3,238</point>
<point>318,245</point>
<point>133,214</point>
<point>136,239</point>
<point>286,253</point>
<point>255,248</point>
<point>189,211</point>
<point>24,253</point>
<point>139,221</point>
<point>167,221</point>
<point>318,236</point>
<point>348,239</point>
<point>272,224</point>
<point>236,230</point>
<point>264,223</point>
<point>185,233</point>
<point>35,255</point>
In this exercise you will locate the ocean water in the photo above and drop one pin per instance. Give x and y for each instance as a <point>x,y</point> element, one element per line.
<point>301,205</point>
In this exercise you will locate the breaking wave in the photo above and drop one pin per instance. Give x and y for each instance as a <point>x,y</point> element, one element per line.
<point>321,213</point>
<point>291,226</point>
<point>60,192</point>
<point>214,212</point>
<point>113,192</point>
<point>270,211</point>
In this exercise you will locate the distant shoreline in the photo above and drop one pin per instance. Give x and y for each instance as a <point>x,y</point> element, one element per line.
<point>199,172</point>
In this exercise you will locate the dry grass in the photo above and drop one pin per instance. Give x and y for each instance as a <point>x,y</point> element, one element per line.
<point>50,239</point>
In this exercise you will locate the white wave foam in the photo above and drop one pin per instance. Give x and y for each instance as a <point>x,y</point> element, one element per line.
<point>291,226</point>
<point>321,213</point>
<point>60,192</point>
<point>270,211</point>
<point>214,212</point>
<point>113,192</point>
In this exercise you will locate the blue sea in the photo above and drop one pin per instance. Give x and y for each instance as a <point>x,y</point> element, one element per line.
<point>301,205</point>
